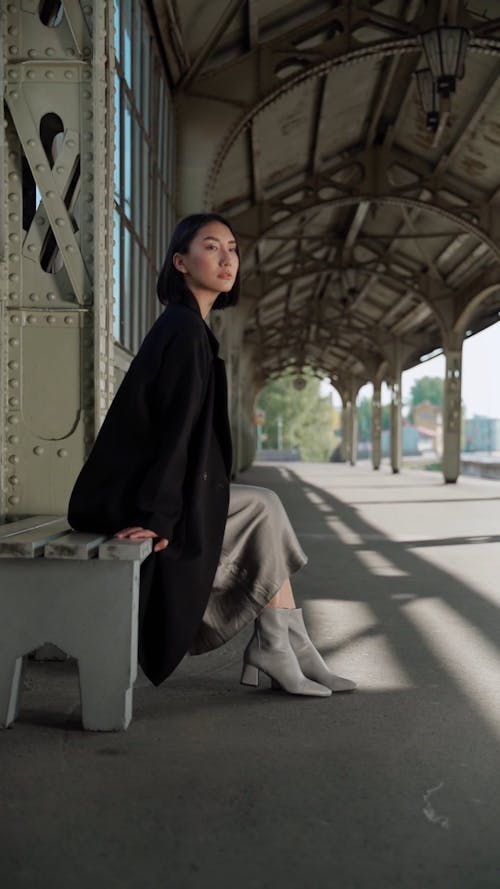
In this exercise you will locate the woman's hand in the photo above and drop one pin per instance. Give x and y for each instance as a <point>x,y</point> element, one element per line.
<point>143,534</point>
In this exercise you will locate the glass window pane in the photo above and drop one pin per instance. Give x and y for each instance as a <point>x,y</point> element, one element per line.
<point>137,296</point>
<point>117,138</point>
<point>126,289</point>
<point>138,72</point>
<point>127,40</point>
<point>147,79</point>
<point>137,169</point>
<point>127,158</point>
<point>117,277</point>
<point>145,192</point>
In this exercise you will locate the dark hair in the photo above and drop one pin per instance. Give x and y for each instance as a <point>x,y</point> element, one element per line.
<point>171,285</point>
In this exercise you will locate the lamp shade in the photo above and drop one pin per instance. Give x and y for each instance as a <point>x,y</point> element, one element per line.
<point>445,48</point>
<point>427,91</point>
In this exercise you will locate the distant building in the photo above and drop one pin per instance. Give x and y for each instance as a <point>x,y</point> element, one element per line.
<point>482,434</point>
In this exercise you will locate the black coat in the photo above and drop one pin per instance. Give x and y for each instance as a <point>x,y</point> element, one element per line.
<point>162,460</point>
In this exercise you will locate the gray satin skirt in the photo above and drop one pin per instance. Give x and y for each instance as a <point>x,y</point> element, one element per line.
<point>259,552</point>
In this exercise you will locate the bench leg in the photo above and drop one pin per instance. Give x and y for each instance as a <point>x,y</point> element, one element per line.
<point>106,695</point>
<point>11,672</point>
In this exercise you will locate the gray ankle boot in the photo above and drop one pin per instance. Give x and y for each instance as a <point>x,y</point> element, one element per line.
<point>269,651</point>
<point>310,660</point>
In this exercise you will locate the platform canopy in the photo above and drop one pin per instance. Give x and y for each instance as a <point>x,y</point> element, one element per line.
<point>363,222</point>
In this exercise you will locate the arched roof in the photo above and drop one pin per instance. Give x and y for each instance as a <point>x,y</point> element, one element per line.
<point>301,122</point>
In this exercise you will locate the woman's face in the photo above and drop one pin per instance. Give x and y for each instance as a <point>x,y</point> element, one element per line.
<point>211,263</point>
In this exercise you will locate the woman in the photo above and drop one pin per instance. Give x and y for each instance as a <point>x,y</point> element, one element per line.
<point>160,468</point>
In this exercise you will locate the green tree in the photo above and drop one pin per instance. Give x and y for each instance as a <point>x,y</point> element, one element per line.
<point>307,418</point>
<point>365,418</point>
<point>426,389</point>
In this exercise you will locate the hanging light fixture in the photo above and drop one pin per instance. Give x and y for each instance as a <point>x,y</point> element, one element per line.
<point>349,285</point>
<point>445,48</point>
<point>428,97</point>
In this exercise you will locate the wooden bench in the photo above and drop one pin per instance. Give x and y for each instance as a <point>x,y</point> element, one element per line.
<point>79,592</point>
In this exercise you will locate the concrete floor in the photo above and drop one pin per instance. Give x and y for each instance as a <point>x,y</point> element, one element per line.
<point>217,785</point>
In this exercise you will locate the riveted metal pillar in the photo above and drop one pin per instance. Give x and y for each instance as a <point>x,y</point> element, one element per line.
<point>396,426</point>
<point>57,345</point>
<point>452,413</point>
<point>376,425</point>
<point>346,427</point>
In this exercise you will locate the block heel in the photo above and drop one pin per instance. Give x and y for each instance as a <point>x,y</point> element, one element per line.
<point>250,675</point>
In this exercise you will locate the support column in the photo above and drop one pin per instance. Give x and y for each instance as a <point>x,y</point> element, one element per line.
<point>396,426</point>
<point>56,341</point>
<point>353,434</point>
<point>345,445</point>
<point>376,425</point>
<point>452,414</point>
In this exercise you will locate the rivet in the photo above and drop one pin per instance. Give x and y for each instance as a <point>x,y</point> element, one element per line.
<point>13,94</point>
<point>13,50</point>
<point>31,143</point>
<point>13,74</point>
<point>30,74</point>
<point>14,500</point>
<point>60,169</point>
<point>34,297</point>
<point>70,51</point>
<point>14,459</point>
<point>49,75</point>
<point>88,114</point>
<point>14,365</point>
<point>62,453</point>
<point>13,277</point>
<point>38,451</point>
<point>87,94</point>
<point>40,168</point>
<point>51,297</point>
<point>70,143</point>
<point>68,74</point>
<point>13,419</point>
<point>13,342</point>
<point>40,220</point>
<point>86,51</point>
<point>14,403</point>
<point>13,197</point>
<point>13,297</point>
<point>14,176</point>
<point>13,439</point>
<point>50,194</point>
<point>13,217</point>
<point>31,319</point>
<point>32,53</point>
<point>68,319</point>
<point>69,248</point>
<point>14,384</point>
<point>50,51</point>
<point>14,257</point>
<point>13,237</point>
<point>32,248</point>
<point>51,319</point>
<point>14,480</point>
<point>15,319</point>
<point>59,221</point>
<point>13,30</point>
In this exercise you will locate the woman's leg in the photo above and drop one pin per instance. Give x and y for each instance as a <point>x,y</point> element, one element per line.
<point>283,598</point>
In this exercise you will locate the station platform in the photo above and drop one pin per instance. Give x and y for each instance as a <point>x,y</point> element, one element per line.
<point>395,786</point>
